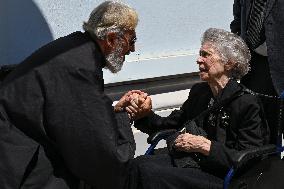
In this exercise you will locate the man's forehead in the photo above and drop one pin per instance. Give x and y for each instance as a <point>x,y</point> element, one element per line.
<point>207,47</point>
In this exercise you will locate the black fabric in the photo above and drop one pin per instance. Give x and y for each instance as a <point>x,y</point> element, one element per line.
<point>183,159</point>
<point>238,127</point>
<point>188,127</point>
<point>274,37</point>
<point>259,80</point>
<point>57,126</point>
<point>5,70</point>
<point>255,35</point>
<point>259,67</point>
<point>158,172</point>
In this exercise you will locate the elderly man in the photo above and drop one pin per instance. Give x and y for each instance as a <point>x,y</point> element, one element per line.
<point>57,126</point>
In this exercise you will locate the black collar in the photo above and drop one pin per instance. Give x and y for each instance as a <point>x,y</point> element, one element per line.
<point>97,49</point>
<point>230,89</point>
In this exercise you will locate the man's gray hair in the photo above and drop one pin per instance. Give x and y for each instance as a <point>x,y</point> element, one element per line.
<point>231,48</point>
<point>111,16</point>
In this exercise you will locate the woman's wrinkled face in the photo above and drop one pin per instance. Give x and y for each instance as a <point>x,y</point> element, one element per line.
<point>211,67</point>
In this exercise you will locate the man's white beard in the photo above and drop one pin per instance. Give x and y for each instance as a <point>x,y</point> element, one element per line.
<point>114,60</point>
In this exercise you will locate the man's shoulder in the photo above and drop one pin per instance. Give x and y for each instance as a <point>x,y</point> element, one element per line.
<point>57,47</point>
<point>66,43</point>
<point>70,47</point>
<point>75,37</point>
<point>65,52</point>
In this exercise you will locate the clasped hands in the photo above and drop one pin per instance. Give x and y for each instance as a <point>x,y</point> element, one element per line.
<point>136,103</point>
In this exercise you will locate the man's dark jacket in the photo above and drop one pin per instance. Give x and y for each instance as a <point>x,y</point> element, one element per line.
<point>274,34</point>
<point>238,125</point>
<point>56,124</point>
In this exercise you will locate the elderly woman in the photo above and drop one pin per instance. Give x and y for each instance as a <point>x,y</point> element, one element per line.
<point>223,59</point>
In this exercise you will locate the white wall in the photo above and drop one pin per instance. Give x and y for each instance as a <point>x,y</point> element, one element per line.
<point>168,32</point>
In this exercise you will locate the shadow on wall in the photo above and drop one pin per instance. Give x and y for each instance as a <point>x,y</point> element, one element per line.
<point>23,30</point>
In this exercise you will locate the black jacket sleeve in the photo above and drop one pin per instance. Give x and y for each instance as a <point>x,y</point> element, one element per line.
<point>154,123</point>
<point>194,105</point>
<point>95,142</point>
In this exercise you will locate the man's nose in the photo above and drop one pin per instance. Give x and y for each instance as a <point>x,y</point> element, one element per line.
<point>199,60</point>
<point>132,48</point>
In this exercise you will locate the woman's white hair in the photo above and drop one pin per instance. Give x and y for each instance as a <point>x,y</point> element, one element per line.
<point>111,16</point>
<point>231,48</point>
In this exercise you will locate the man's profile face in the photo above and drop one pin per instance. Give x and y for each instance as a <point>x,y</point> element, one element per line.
<point>123,45</point>
<point>129,41</point>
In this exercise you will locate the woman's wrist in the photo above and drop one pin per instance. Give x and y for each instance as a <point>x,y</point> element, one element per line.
<point>205,146</point>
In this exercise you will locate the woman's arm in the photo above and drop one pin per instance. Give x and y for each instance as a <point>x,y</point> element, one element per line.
<point>153,122</point>
<point>248,131</point>
<point>193,143</point>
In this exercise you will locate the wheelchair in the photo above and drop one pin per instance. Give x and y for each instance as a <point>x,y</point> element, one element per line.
<point>267,171</point>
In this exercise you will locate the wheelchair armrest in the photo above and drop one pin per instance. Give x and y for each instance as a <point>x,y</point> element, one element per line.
<point>244,156</point>
<point>160,135</point>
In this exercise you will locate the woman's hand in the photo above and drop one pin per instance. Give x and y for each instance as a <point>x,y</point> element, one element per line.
<point>192,143</point>
<point>136,103</point>
<point>128,99</point>
<point>140,107</point>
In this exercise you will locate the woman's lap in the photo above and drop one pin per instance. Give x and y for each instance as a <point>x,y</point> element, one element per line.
<point>157,172</point>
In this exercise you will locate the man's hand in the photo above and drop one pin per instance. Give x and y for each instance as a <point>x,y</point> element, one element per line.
<point>140,107</point>
<point>129,99</point>
<point>192,143</point>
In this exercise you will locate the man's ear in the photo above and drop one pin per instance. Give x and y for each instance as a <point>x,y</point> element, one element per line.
<point>110,39</point>
<point>230,65</point>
